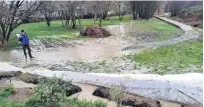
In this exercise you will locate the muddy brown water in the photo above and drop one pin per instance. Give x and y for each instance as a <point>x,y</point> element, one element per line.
<point>87,91</point>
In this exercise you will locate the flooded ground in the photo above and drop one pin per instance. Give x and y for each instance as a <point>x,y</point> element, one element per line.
<point>89,49</point>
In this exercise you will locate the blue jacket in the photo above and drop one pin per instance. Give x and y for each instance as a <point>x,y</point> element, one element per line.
<point>24,39</point>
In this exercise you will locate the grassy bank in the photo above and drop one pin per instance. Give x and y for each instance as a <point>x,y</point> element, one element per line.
<point>178,58</point>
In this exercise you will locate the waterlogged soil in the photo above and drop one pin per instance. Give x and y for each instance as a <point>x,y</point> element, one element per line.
<point>76,55</point>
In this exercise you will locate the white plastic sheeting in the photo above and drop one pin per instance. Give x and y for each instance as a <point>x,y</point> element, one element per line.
<point>167,89</point>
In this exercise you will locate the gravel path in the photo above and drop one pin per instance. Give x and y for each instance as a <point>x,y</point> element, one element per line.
<point>189,34</point>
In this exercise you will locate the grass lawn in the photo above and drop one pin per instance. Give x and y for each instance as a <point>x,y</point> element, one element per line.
<point>40,29</point>
<point>156,25</point>
<point>182,57</point>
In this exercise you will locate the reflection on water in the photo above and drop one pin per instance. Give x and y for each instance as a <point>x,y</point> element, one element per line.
<point>122,28</point>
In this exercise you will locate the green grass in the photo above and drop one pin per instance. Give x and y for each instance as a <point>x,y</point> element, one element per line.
<point>6,93</point>
<point>173,58</point>
<point>155,25</point>
<point>200,31</point>
<point>40,29</point>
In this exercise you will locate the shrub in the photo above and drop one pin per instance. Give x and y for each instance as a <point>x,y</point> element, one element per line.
<point>13,104</point>
<point>9,90</point>
<point>85,103</point>
<point>29,78</point>
<point>116,94</point>
<point>33,101</point>
<point>48,93</point>
<point>10,104</point>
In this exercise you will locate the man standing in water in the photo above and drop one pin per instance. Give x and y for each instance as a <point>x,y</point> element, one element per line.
<point>25,43</point>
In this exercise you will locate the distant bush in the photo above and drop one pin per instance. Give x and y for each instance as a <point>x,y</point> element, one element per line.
<point>193,11</point>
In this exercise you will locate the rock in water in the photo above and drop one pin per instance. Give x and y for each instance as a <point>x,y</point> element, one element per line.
<point>102,92</point>
<point>128,100</point>
<point>72,89</point>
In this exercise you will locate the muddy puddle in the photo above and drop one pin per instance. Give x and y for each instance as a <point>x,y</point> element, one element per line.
<point>119,30</point>
<point>87,91</point>
<point>6,56</point>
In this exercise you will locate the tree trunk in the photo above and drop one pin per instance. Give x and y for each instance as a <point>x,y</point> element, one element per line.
<point>61,17</point>
<point>67,20</point>
<point>48,20</point>
<point>100,23</point>
<point>95,18</point>
<point>79,20</point>
<point>119,13</point>
<point>105,15</point>
<point>4,44</point>
<point>73,22</point>
<point>62,23</point>
<point>121,16</point>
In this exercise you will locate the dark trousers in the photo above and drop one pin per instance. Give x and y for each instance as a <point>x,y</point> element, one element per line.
<point>29,51</point>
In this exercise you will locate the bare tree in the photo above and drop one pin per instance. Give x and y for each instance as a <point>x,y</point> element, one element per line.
<point>80,11</point>
<point>176,6</point>
<point>48,8</point>
<point>11,15</point>
<point>119,4</point>
<point>99,8</point>
<point>92,7</point>
<point>63,6</point>
<point>144,9</point>
<point>60,7</point>
<point>70,12</point>
<point>122,8</point>
<point>105,8</point>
